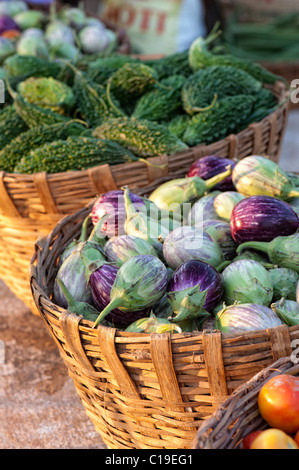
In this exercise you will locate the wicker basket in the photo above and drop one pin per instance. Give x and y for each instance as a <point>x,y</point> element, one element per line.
<point>31,205</point>
<point>140,390</point>
<point>239,414</point>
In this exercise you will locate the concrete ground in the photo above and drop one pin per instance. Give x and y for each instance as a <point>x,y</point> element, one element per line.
<point>39,406</point>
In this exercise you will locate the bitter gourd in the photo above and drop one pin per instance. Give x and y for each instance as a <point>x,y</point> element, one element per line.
<point>144,138</point>
<point>228,115</point>
<point>33,138</point>
<point>30,66</point>
<point>203,86</point>
<point>131,81</point>
<point>101,69</point>
<point>35,115</point>
<point>49,93</point>
<point>174,64</point>
<point>159,103</point>
<point>201,57</point>
<point>178,125</point>
<point>74,153</point>
<point>11,125</point>
<point>92,101</point>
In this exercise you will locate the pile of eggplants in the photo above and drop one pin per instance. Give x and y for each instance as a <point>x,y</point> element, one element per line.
<point>217,249</point>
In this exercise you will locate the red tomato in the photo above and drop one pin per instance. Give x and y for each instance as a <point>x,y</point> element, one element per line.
<point>297,437</point>
<point>248,440</point>
<point>273,439</point>
<point>278,402</point>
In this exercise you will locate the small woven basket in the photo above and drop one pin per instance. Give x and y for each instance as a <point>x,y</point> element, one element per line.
<point>148,391</point>
<point>31,205</point>
<point>239,415</point>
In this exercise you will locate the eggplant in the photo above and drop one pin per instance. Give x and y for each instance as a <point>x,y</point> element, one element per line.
<point>287,311</point>
<point>73,274</point>
<point>220,232</point>
<point>282,251</point>
<point>7,23</point>
<point>101,277</point>
<point>225,202</point>
<point>256,175</point>
<point>83,309</point>
<point>246,317</point>
<point>284,282</point>
<point>187,243</point>
<point>174,193</point>
<point>73,245</point>
<point>139,283</point>
<point>194,289</point>
<point>119,249</point>
<point>212,165</point>
<point>203,209</point>
<point>112,204</point>
<point>152,324</point>
<point>262,218</point>
<point>247,281</point>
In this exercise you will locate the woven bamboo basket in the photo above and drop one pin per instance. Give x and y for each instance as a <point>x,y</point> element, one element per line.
<point>148,391</point>
<point>239,414</point>
<point>31,205</point>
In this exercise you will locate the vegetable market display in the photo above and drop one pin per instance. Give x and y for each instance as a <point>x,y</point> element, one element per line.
<point>147,266</point>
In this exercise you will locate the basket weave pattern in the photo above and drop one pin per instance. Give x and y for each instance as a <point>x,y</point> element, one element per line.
<point>239,415</point>
<point>31,205</point>
<point>141,390</point>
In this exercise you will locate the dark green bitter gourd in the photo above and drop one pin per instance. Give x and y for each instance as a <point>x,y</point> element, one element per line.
<point>202,87</point>
<point>228,115</point>
<point>11,125</point>
<point>33,138</point>
<point>30,66</point>
<point>178,125</point>
<point>73,154</point>
<point>92,101</point>
<point>130,82</point>
<point>160,104</point>
<point>144,138</point>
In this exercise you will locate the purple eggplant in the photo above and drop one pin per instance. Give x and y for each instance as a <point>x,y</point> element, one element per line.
<point>112,204</point>
<point>7,23</point>
<point>139,284</point>
<point>187,243</point>
<point>212,165</point>
<point>101,280</point>
<point>262,218</point>
<point>195,288</point>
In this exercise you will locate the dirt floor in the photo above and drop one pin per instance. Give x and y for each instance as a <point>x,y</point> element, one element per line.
<point>39,406</point>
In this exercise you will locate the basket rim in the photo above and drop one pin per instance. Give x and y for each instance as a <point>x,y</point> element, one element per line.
<point>44,243</point>
<point>284,96</point>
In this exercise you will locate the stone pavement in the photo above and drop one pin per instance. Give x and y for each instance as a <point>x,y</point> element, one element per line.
<point>39,406</point>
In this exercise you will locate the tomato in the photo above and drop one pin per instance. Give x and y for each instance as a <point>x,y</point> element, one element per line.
<point>278,402</point>
<point>273,439</point>
<point>297,437</point>
<point>248,440</point>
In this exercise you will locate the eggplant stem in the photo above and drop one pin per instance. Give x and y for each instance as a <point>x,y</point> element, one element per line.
<point>218,178</point>
<point>294,193</point>
<point>113,304</point>
<point>262,246</point>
